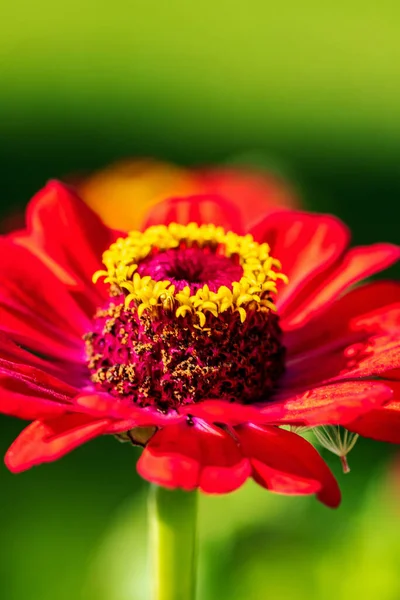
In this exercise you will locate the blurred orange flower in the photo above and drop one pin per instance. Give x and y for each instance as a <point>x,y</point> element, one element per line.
<point>112,191</point>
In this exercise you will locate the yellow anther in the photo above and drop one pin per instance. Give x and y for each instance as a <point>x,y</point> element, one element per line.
<point>202,318</point>
<point>252,292</point>
<point>99,274</point>
<point>142,308</point>
<point>283,278</point>
<point>246,298</point>
<point>242,313</point>
<point>182,310</point>
<point>129,299</point>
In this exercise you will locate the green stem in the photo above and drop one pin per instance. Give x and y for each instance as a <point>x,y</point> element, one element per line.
<point>173,516</point>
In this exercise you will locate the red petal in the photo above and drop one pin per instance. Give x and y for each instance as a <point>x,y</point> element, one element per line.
<point>351,339</point>
<point>287,464</point>
<point>383,423</point>
<point>306,244</point>
<point>36,306</point>
<point>27,405</point>
<point>48,441</point>
<point>29,393</point>
<point>198,456</point>
<point>68,372</point>
<point>358,264</point>
<point>336,404</point>
<point>362,357</point>
<point>255,192</point>
<point>218,411</point>
<point>122,426</point>
<point>352,358</point>
<point>66,235</point>
<point>104,405</point>
<point>382,356</point>
<point>200,209</point>
<point>347,313</point>
<point>44,383</point>
<point>14,353</point>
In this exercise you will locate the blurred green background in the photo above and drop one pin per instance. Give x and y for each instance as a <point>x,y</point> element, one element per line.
<point>307,89</point>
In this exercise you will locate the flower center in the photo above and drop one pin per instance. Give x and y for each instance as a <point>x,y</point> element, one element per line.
<point>192,267</point>
<point>190,317</point>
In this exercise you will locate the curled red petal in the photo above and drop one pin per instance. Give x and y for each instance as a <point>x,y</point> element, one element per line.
<point>200,209</point>
<point>286,463</point>
<point>46,441</point>
<point>194,456</point>
<point>337,403</point>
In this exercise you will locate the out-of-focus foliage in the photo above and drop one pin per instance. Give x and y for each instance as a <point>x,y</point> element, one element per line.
<point>327,72</point>
<point>306,89</point>
<point>257,546</point>
<point>315,87</point>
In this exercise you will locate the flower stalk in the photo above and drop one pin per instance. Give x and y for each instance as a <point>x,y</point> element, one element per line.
<point>173,532</point>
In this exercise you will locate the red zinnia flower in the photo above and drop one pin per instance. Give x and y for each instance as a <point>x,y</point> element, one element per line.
<point>179,346</point>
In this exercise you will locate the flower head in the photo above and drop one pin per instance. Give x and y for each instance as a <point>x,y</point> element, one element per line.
<point>191,317</point>
<point>198,338</point>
